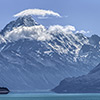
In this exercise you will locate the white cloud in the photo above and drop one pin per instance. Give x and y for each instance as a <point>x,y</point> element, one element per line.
<point>43,17</point>
<point>33,32</point>
<point>39,33</point>
<point>83,31</point>
<point>66,16</point>
<point>37,12</point>
<point>61,29</point>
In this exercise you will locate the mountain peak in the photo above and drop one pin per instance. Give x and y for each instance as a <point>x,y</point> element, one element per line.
<point>26,21</point>
<point>94,39</point>
<point>21,21</point>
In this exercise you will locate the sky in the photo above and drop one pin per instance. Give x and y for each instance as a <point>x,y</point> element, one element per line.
<point>82,14</point>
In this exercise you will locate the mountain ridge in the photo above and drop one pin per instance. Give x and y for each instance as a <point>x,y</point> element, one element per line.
<point>83,84</point>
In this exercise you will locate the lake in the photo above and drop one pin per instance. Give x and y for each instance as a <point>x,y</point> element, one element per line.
<point>49,96</point>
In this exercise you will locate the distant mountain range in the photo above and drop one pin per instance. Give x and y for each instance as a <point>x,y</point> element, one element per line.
<point>28,64</point>
<point>89,83</point>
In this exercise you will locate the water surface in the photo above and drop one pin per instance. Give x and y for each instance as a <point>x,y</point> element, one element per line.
<point>49,96</point>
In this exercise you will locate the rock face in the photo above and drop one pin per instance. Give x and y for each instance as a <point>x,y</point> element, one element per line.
<point>28,63</point>
<point>89,83</point>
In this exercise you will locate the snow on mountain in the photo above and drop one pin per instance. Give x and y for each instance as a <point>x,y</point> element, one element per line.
<point>35,58</point>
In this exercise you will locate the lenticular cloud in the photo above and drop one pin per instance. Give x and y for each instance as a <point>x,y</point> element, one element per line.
<point>37,12</point>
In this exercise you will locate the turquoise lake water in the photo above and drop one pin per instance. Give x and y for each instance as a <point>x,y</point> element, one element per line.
<point>49,96</point>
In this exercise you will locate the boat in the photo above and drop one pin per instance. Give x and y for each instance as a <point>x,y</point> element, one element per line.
<point>4,90</point>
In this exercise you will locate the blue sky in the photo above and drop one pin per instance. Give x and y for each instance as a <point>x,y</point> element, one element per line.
<point>83,14</point>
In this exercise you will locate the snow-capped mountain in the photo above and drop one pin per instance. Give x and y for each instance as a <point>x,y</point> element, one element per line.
<point>35,58</point>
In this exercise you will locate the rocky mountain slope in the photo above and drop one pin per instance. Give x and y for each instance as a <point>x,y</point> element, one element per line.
<point>89,83</point>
